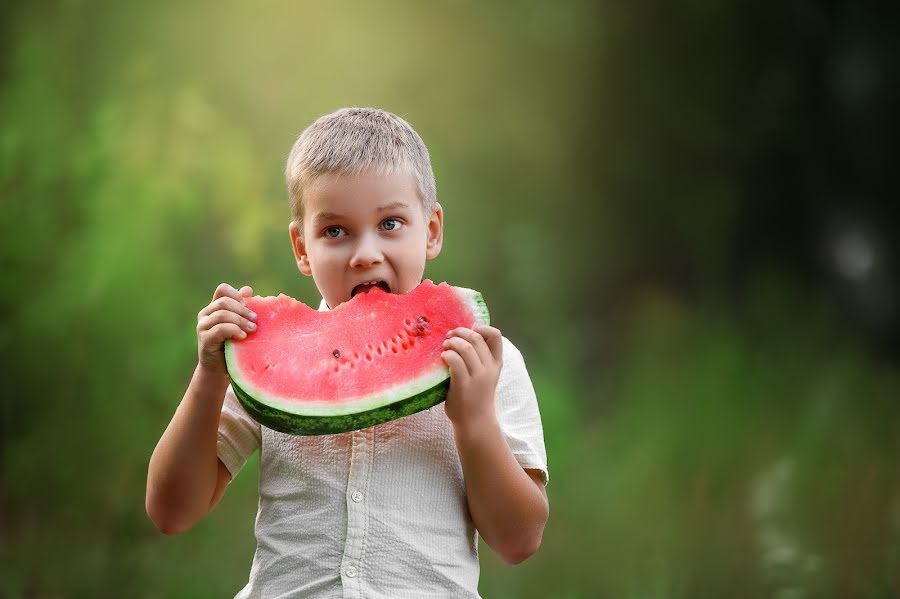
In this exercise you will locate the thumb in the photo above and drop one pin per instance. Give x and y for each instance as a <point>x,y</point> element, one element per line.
<point>494,339</point>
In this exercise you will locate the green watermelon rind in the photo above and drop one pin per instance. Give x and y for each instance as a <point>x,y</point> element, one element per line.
<point>298,424</point>
<point>421,393</point>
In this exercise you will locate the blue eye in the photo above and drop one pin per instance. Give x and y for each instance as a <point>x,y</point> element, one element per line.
<point>333,232</point>
<point>393,222</point>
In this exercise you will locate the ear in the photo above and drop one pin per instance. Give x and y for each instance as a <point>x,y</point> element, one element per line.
<point>299,248</point>
<point>435,237</point>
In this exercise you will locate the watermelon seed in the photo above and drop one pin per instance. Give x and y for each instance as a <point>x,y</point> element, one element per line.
<point>423,319</point>
<point>368,356</point>
<point>336,368</point>
<point>336,354</point>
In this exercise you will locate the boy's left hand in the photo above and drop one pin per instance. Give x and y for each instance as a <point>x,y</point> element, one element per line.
<point>474,357</point>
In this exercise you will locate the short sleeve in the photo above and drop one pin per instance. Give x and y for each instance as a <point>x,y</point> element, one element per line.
<point>518,413</point>
<point>239,434</point>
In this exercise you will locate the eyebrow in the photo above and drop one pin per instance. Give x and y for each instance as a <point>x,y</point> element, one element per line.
<point>392,206</point>
<point>326,216</point>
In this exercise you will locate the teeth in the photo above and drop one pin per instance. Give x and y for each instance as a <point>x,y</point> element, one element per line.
<point>373,283</point>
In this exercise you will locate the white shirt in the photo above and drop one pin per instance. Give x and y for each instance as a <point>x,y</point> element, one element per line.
<point>374,513</point>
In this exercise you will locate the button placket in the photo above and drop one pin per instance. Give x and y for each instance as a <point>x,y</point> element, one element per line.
<point>361,456</point>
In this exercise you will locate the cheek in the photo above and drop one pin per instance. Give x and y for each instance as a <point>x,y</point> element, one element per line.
<point>323,260</point>
<point>412,259</point>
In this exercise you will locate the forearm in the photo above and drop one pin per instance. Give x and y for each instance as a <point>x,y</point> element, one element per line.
<point>507,507</point>
<point>183,471</point>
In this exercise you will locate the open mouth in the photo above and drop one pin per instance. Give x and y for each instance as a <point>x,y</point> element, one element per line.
<point>364,287</point>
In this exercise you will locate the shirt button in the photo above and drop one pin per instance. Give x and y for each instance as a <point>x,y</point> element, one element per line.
<point>351,572</point>
<point>356,496</point>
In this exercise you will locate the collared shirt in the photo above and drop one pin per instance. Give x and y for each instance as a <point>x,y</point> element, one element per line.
<point>375,513</point>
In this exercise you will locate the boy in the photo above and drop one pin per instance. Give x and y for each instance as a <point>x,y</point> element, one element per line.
<point>393,510</point>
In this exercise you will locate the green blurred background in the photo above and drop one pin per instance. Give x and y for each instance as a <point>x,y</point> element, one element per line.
<point>683,213</point>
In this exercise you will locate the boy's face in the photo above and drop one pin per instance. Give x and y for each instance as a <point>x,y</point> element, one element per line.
<point>359,230</point>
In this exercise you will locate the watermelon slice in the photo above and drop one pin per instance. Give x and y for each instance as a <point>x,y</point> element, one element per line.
<point>372,359</point>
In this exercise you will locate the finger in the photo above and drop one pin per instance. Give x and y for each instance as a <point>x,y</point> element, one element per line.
<point>494,340</point>
<point>226,290</point>
<point>215,336</point>
<point>466,351</point>
<point>227,303</point>
<point>476,340</point>
<point>246,291</point>
<point>224,316</point>
<point>456,364</point>
<point>222,303</point>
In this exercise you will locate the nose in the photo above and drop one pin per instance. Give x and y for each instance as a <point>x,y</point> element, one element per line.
<point>366,253</point>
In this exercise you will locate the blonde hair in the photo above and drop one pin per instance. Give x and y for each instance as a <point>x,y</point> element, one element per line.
<point>351,141</point>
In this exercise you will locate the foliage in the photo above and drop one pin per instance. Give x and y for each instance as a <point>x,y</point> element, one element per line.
<point>717,422</point>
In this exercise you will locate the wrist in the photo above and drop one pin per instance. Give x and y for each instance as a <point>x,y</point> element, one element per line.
<point>211,376</point>
<point>475,428</point>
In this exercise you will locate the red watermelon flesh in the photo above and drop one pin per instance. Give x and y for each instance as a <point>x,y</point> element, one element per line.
<point>371,359</point>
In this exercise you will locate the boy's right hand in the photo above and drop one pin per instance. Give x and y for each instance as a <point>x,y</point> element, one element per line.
<point>226,317</point>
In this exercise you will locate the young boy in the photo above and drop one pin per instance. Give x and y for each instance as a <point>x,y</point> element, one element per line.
<point>393,510</point>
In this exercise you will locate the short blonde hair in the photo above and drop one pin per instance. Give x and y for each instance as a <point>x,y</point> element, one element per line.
<point>351,141</point>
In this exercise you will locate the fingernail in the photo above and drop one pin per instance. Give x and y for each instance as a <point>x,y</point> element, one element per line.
<point>243,334</point>
<point>251,325</point>
<point>252,315</point>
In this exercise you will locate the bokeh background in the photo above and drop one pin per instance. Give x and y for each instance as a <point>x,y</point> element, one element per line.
<point>683,213</point>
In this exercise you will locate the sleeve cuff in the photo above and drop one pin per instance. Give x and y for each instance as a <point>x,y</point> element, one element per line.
<point>229,454</point>
<point>528,462</point>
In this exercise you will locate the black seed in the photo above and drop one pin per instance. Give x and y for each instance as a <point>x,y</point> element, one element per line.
<point>423,319</point>
<point>336,354</point>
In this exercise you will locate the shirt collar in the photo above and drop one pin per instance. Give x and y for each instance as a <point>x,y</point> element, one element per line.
<point>323,307</point>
